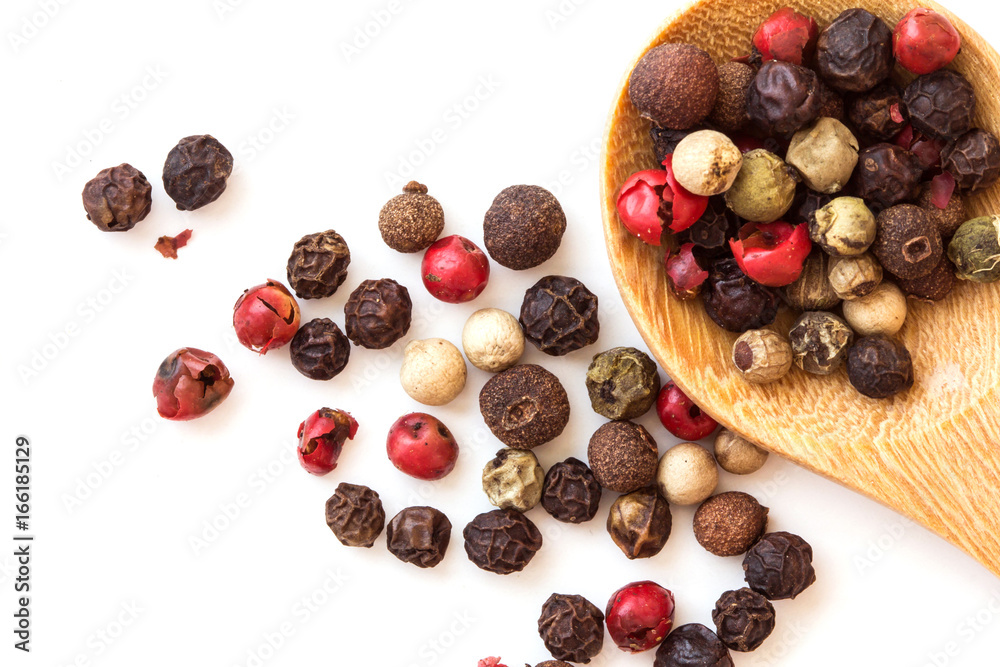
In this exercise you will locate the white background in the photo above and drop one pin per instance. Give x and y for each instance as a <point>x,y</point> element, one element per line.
<point>322,136</point>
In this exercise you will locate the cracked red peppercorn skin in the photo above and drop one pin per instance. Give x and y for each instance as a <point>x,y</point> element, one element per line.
<point>190,383</point>
<point>266,317</point>
<point>773,254</point>
<point>321,439</point>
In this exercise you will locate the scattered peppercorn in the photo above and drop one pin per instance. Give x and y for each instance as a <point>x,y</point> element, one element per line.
<point>743,619</point>
<point>419,535</point>
<point>854,52</point>
<point>854,277</point>
<point>622,383</point>
<point>190,383</point>
<point>412,221</point>
<point>322,436</point>
<point>692,645</point>
<point>559,315</point>
<point>762,356</point>
<point>825,154</point>
<point>735,302</point>
<point>879,367</point>
<point>501,541</point>
<point>908,245</point>
<point>935,286</point>
<point>523,227</point>
<point>779,566</point>
<point>169,245</point>
<point>320,350</point>
<point>941,104</point>
<point>681,416</point>
<point>728,524</point>
<point>887,174</point>
<point>925,40</point>
<point>513,479</point>
<point>783,97</point>
<point>377,314</point>
<point>947,219</point>
<point>266,317</point>
<point>881,312</point>
<point>764,188</point>
<point>879,114</point>
<point>524,406</point>
<point>844,227</point>
<point>975,250</point>
<point>785,35</point>
<point>571,493</point>
<point>974,160</point>
<point>674,85</point>
<point>713,229</point>
<point>706,162</point>
<point>820,341</point>
<point>318,264</point>
<point>813,291</point>
<point>622,456</point>
<point>730,111</point>
<point>196,171</point>
<point>354,513</point>
<point>117,198</point>
<point>639,615</point>
<point>639,523</point>
<point>687,474</point>
<point>433,371</point>
<point>571,627</point>
<point>492,340</point>
<point>738,455</point>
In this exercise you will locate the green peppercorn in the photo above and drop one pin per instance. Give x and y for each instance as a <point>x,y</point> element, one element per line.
<point>844,227</point>
<point>975,249</point>
<point>622,383</point>
<point>764,187</point>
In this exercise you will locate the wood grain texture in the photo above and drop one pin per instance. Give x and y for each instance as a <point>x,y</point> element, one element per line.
<point>932,453</point>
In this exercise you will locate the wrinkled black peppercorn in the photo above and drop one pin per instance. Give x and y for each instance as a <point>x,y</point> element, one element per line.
<point>854,53</point>
<point>318,264</point>
<point>377,313</point>
<point>196,171</point>
<point>640,523</point>
<point>714,228</point>
<point>571,627</point>
<point>779,566</point>
<point>941,104</point>
<point>783,97</point>
<point>743,619</point>
<point>501,541</point>
<point>117,198</point>
<point>320,350</point>
<point>354,513</point>
<point>879,367</point>
<point>419,535</point>
<point>570,493</point>
<point>692,645</point>
<point>886,175</point>
<point>559,315</point>
<point>879,114</point>
<point>735,302</point>
<point>665,141</point>
<point>974,160</point>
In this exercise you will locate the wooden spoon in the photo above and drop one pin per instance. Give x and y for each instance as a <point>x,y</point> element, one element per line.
<point>932,453</point>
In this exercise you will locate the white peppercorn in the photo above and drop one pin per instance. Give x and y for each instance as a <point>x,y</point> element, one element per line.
<point>738,455</point>
<point>687,474</point>
<point>881,312</point>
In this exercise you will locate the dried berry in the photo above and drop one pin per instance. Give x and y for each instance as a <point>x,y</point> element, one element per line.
<point>935,286</point>
<point>783,97</point>
<point>318,264</point>
<point>706,162</point>
<point>513,479</point>
<point>825,154</point>
<point>843,228</point>
<point>622,383</point>
<point>832,103</point>
<point>786,35</point>
<point>813,291</point>
<point>622,456</point>
<point>735,302</point>
<point>941,104</point>
<point>674,85</point>
<point>680,416</point>
<point>321,439</point>
<point>908,245</point>
<point>524,406</point>
<point>713,229</point>
<point>559,315</point>
<point>685,274</point>
<point>433,371</point>
<point>743,619</point>
<point>320,350</point>
<point>772,254</point>
<point>687,474</point>
<point>692,645</point>
<point>738,455</point>
<point>266,317</point>
<point>779,566</point>
<point>806,203</point>
<point>854,52</point>
<point>455,270</point>
<point>974,160</point>
<point>764,189</point>
<point>887,175</point>
<point>421,446</point>
<point>639,523</point>
<point>730,111</point>
<point>975,250</point>
<point>354,513</point>
<point>925,41</point>
<point>571,493</point>
<point>947,218</point>
<point>820,341</point>
<point>651,199</point>
<point>879,367</point>
<point>419,535</point>
<point>501,541</point>
<point>410,222</point>
<point>762,356</point>
<point>854,277</point>
<point>377,314</point>
<point>492,340</point>
<point>117,198</point>
<point>196,171</point>
<point>879,114</point>
<point>169,245</point>
<point>881,312</point>
<point>571,628</point>
<point>728,524</point>
<point>639,616</point>
<point>523,227</point>
<point>190,383</point>
<point>665,141</point>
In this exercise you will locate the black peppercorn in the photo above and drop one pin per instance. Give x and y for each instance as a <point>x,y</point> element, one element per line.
<point>501,541</point>
<point>318,264</point>
<point>692,645</point>
<point>974,160</point>
<point>941,104</point>
<point>524,406</point>
<point>713,229</point>
<point>665,141</point>
<point>523,227</point>
<point>571,627</point>
<point>907,244</point>
<point>377,313</point>
<point>117,198</point>
<point>320,350</point>
<point>854,52</point>
<point>196,171</point>
<point>559,315</point>
<point>886,175</point>
<point>832,105</point>
<point>879,114</point>
<point>735,302</point>
<point>640,523</point>
<point>571,493</point>
<point>354,513</point>
<point>419,535</point>
<point>783,97</point>
<point>779,566</point>
<point>879,367</point>
<point>743,619</point>
<point>806,203</point>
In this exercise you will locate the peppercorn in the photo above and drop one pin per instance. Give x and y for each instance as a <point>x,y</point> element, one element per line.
<point>571,627</point>
<point>825,154</point>
<point>813,291</point>
<point>622,383</point>
<point>706,162</point>
<point>805,205</point>
<point>196,171</point>
<point>975,250</point>
<point>974,160</point>
<point>935,286</point>
<point>785,35</point>
<point>762,356</point>
<point>523,227</point>
<point>713,229</point>
<point>433,371</point>
<point>783,97</point>
<point>730,111</point>
<point>571,493</point>
<point>908,245</point>
<point>734,301</point>
<point>690,645</point>
<point>665,141</point>
<point>190,383</point>
<point>764,188</point>
<point>854,277</point>
<point>941,104</point>
<point>879,367</point>
<point>844,227</point>
<point>854,52</point>
<point>879,114</point>
<point>559,315</point>
<point>728,524</point>
<point>881,312</point>
<point>524,406</point>
<point>318,264</point>
<point>354,513</point>
<point>377,314</point>
<point>492,339</point>
<point>639,523</point>
<point>622,456</point>
<point>887,174</point>
<point>320,350</point>
<point>820,341</point>
<point>947,219</point>
<point>743,619</point>
<point>501,541</point>
<point>674,85</point>
<point>412,221</point>
<point>117,198</point>
<point>513,479</point>
<point>687,474</point>
<point>265,317</point>
<point>779,566</point>
<point>738,455</point>
<point>419,535</point>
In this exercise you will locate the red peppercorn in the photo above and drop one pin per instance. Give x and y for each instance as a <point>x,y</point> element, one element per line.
<point>684,274</point>
<point>681,417</point>
<point>321,439</point>
<point>686,207</point>
<point>639,616</point>
<point>455,270</point>
<point>421,446</point>
<point>927,149</point>
<point>266,317</point>
<point>190,383</point>
<point>925,41</point>
<point>650,199</point>
<point>772,254</point>
<point>786,35</point>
